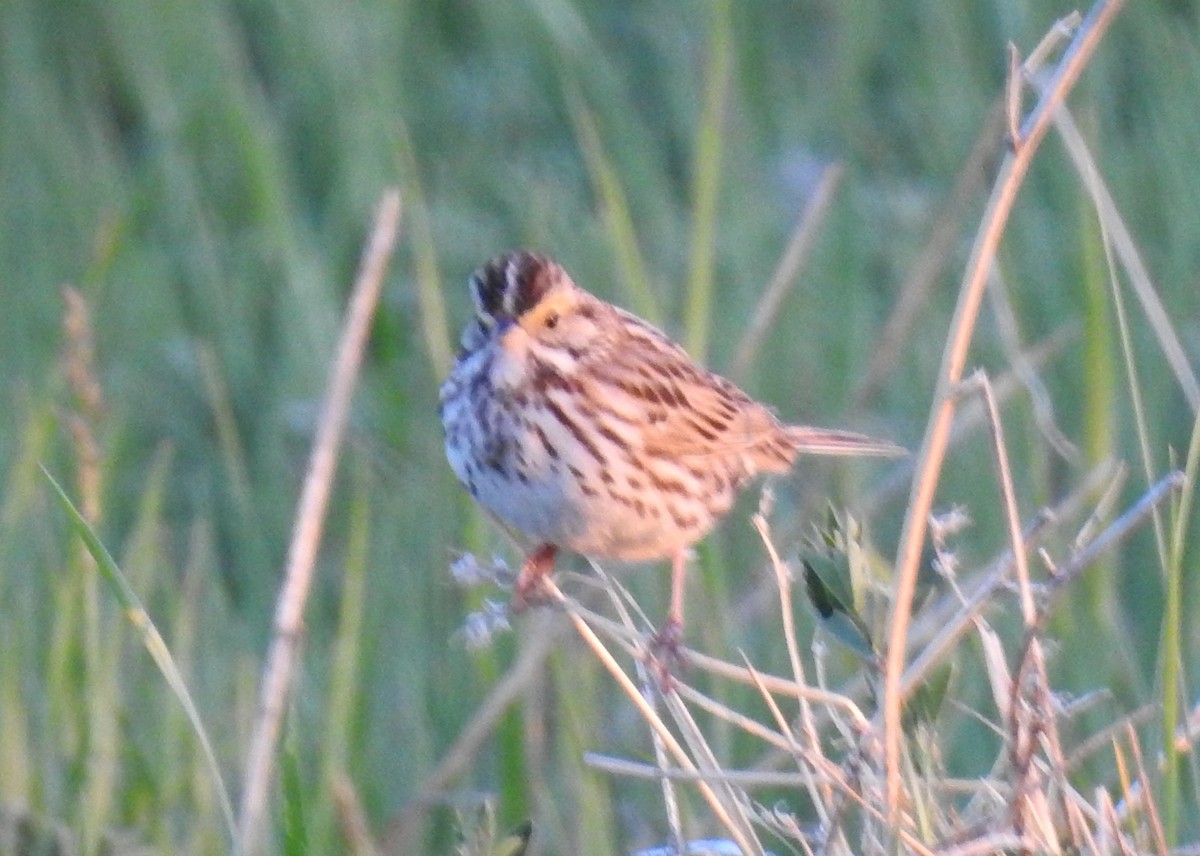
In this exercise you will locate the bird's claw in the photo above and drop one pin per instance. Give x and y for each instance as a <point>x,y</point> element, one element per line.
<point>531,587</point>
<point>666,653</point>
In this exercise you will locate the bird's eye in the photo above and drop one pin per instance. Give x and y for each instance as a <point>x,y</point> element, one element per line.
<point>551,321</point>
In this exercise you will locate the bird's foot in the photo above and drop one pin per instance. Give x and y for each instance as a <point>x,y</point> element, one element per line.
<point>531,587</point>
<point>666,654</point>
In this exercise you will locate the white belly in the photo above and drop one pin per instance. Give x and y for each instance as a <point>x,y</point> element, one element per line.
<point>528,466</point>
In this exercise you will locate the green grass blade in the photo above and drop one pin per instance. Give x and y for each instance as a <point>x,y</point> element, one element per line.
<point>615,205</point>
<point>344,698</point>
<point>706,180</point>
<point>295,831</point>
<point>136,613</point>
<point>1173,637</point>
<point>435,328</point>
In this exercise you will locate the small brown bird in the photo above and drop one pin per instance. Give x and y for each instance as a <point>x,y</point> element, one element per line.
<point>588,429</point>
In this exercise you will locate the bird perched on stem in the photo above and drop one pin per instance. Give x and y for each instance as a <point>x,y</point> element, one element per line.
<point>588,429</point>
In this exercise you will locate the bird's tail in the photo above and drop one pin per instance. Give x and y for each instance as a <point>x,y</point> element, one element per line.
<point>824,441</point>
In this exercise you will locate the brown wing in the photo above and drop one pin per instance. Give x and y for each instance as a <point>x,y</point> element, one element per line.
<point>687,411</point>
<point>682,410</point>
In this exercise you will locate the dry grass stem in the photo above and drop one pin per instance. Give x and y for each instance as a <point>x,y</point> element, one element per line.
<point>735,801</point>
<point>741,778</point>
<point>1103,739</point>
<point>813,757</point>
<point>1012,93</point>
<point>352,818</point>
<point>942,624</point>
<point>933,451</point>
<point>628,637</point>
<point>787,273</point>
<point>401,833</point>
<point>1104,508</point>
<point>1029,777</point>
<point>1137,793</point>
<point>744,837</point>
<point>310,517</point>
<point>666,784</point>
<point>79,364</point>
<point>783,580</point>
<point>1031,711</point>
<point>1010,337</point>
<point>780,686</point>
<point>747,724</point>
<point>1160,839</point>
<point>1120,529</point>
<point>1131,258</point>
<point>969,417</point>
<point>927,270</point>
<point>1008,497</point>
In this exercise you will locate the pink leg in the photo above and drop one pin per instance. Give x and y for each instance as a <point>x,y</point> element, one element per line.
<point>678,572</point>
<point>530,582</point>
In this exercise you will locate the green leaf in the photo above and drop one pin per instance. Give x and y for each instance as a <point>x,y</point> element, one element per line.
<point>153,642</point>
<point>925,704</point>
<point>837,617</point>
<point>516,843</point>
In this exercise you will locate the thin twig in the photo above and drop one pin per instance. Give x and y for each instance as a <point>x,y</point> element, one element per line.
<point>1117,532</point>
<point>926,271</point>
<point>1008,495</point>
<point>1012,94</point>
<point>1023,728</point>
<point>630,641</point>
<point>945,628</point>
<point>1126,249</point>
<point>807,758</point>
<point>623,602</point>
<point>734,800</point>
<point>352,818</point>
<point>310,518</point>
<point>783,580</point>
<point>746,723</point>
<point>912,541</point>
<point>666,785</point>
<point>741,778</point>
<point>783,686</point>
<point>1160,839</point>
<point>798,250</point>
<point>1010,340</point>
<point>1083,752</point>
<point>969,416</point>
<point>652,719</point>
<point>400,834</point>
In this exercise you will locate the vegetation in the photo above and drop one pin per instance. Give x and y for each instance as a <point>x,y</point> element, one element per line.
<point>187,191</point>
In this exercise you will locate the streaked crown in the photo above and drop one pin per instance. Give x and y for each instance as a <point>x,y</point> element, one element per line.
<point>511,284</point>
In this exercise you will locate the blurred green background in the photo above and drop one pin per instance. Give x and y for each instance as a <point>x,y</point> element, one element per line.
<point>205,173</point>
